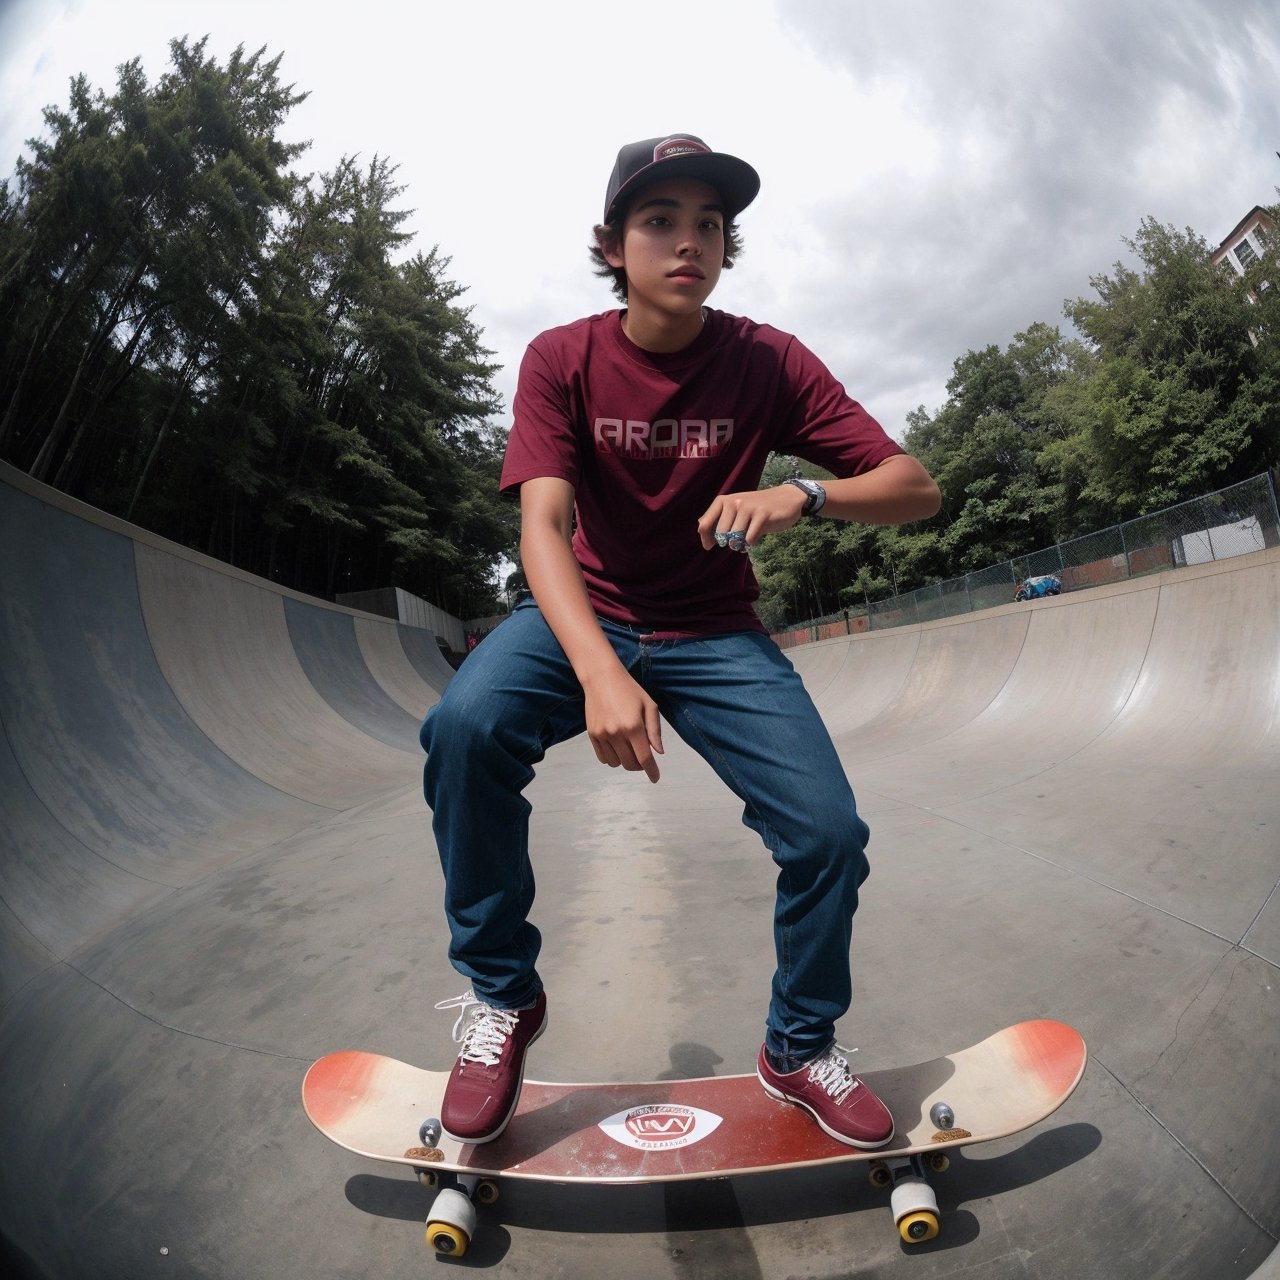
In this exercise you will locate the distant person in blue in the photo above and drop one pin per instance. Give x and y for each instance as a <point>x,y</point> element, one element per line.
<point>1034,588</point>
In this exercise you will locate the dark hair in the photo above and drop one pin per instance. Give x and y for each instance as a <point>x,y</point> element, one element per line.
<point>612,230</point>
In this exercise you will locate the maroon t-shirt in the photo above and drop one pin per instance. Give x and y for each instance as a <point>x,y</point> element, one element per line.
<point>649,440</point>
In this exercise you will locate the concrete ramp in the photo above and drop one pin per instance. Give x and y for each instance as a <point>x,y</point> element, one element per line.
<point>216,866</point>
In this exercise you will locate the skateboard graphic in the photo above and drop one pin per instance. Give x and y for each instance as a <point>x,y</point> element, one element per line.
<point>674,1130</point>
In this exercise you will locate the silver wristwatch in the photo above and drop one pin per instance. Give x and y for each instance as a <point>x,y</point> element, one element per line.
<point>817,495</point>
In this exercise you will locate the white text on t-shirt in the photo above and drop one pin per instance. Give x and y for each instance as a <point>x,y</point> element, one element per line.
<point>665,438</point>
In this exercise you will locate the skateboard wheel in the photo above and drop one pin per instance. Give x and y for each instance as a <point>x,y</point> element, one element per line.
<point>447,1240</point>
<point>452,1222</point>
<point>486,1192</point>
<point>427,1177</point>
<point>912,1195</point>
<point>878,1174</point>
<point>939,1163</point>
<point>916,1228</point>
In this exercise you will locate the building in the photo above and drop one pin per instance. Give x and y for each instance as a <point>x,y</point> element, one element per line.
<point>1247,242</point>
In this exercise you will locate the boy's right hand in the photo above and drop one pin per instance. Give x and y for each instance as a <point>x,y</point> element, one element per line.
<point>623,723</point>
<point>622,720</point>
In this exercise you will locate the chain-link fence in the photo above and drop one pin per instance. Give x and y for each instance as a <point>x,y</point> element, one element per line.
<point>1230,522</point>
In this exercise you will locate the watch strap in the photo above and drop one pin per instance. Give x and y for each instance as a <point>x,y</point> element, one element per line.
<point>815,495</point>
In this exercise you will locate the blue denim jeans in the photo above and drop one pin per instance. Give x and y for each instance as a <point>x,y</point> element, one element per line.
<point>737,701</point>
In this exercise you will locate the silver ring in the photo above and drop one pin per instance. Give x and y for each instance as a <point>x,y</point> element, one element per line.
<point>722,539</point>
<point>738,540</point>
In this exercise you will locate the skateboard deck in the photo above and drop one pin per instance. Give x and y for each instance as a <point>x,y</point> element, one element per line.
<point>713,1127</point>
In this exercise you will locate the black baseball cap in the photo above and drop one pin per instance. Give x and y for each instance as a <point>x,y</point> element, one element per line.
<point>681,155</point>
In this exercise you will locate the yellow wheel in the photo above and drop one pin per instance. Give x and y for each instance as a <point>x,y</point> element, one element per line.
<point>487,1192</point>
<point>939,1163</point>
<point>915,1228</point>
<point>878,1174</point>
<point>447,1239</point>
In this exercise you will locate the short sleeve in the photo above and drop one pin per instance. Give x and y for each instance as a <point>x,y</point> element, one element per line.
<point>826,426</point>
<point>543,440</point>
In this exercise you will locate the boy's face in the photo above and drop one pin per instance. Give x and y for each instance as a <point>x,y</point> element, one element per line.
<point>671,246</point>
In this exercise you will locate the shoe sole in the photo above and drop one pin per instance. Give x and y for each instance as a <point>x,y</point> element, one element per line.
<point>777,1093</point>
<point>493,1135</point>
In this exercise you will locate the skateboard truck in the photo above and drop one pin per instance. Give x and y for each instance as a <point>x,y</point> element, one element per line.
<point>453,1212</point>
<point>452,1221</point>
<point>915,1207</point>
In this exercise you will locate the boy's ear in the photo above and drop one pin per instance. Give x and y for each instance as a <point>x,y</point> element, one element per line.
<point>609,243</point>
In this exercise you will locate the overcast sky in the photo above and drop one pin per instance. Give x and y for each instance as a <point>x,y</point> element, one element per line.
<point>936,175</point>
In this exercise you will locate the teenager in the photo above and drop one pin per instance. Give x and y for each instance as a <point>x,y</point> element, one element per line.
<point>639,439</point>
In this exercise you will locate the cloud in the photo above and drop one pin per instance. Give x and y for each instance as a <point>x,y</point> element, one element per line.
<point>937,176</point>
<point>1017,145</point>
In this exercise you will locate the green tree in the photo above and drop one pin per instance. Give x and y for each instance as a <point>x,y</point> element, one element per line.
<point>1171,390</point>
<point>1180,400</point>
<point>140,225</point>
<point>245,360</point>
<point>984,448</point>
<point>382,461</point>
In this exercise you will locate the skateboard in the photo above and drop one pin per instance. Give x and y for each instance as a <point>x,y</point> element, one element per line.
<point>674,1130</point>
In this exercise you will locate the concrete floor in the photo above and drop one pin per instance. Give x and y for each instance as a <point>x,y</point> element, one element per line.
<point>217,867</point>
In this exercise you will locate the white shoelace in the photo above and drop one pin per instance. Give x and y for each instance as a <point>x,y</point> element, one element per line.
<point>483,1037</point>
<point>831,1072</point>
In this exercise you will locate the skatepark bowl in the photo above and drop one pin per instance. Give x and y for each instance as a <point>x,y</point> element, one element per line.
<point>217,867</point>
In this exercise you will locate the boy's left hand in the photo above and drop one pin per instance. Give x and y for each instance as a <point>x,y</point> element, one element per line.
<point>750,516</point>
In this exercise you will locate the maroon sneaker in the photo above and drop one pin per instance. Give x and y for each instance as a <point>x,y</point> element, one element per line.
<point>840,1103</point>
<point>484,1085</point>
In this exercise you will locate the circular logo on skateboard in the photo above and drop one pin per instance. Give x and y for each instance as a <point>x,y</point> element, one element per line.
<point>660,1127</point>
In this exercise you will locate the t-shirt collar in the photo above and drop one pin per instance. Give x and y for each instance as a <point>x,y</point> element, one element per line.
<point>706,339</point>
